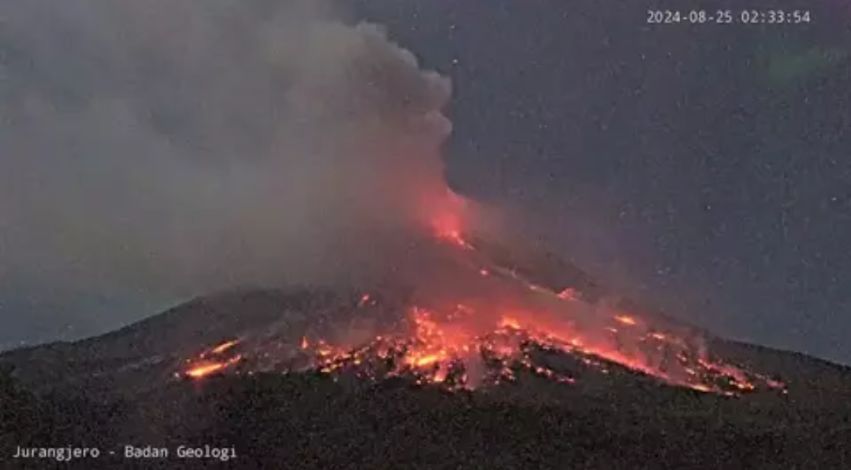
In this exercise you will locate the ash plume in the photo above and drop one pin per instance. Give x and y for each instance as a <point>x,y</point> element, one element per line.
<point>172,148</point>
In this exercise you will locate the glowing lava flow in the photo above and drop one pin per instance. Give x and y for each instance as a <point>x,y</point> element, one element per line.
<point>443,353</point>
<point>510,326</point>
<point>212,361</point>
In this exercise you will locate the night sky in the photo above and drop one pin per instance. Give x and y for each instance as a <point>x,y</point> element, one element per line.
<point>704,170</point>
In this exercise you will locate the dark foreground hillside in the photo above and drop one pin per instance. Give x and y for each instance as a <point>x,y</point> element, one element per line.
<point>310,421</point>
<point>123,389</point>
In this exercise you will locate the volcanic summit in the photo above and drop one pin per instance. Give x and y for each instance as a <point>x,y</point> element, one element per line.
<point>509,350</point>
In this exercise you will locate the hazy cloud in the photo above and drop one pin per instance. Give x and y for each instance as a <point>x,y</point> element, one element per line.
<point>173,147</point>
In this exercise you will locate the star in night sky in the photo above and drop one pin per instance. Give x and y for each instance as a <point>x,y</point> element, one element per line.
<point>703,169</point>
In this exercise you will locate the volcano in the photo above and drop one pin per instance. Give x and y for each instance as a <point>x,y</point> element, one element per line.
<point>500,318</point>
<point>508,360</point>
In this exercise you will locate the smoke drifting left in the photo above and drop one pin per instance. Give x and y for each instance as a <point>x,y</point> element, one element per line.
<point>173,148</point>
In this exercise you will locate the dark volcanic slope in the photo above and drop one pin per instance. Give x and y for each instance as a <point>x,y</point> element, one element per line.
<point>313,421</point>
<point>310,421</point>
<point>122,388</point>
<point>147,352</point>
<point>119,389</point>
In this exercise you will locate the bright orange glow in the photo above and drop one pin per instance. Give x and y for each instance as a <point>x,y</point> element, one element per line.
<point>500,333</point>
<point>454,237</point>
<point>508,322</point>
<point>568,294</point>
<point>203,370</point>
<point>207,368</point>
<point>626,320</point>
<point>224,347</point>
<point>446,216</point>
<point>426,360</point>
<point>443,349</point>
<point>324,349</point>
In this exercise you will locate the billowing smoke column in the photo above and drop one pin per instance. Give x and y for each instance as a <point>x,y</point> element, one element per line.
<point>180,147</point>
<point>174,148</point>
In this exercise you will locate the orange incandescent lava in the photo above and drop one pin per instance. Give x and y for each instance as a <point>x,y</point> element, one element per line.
<point>444,352</point>
<point>513,326</point>
<point>213,360</point>
<point>204,369</point>
<point>224,347</point>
